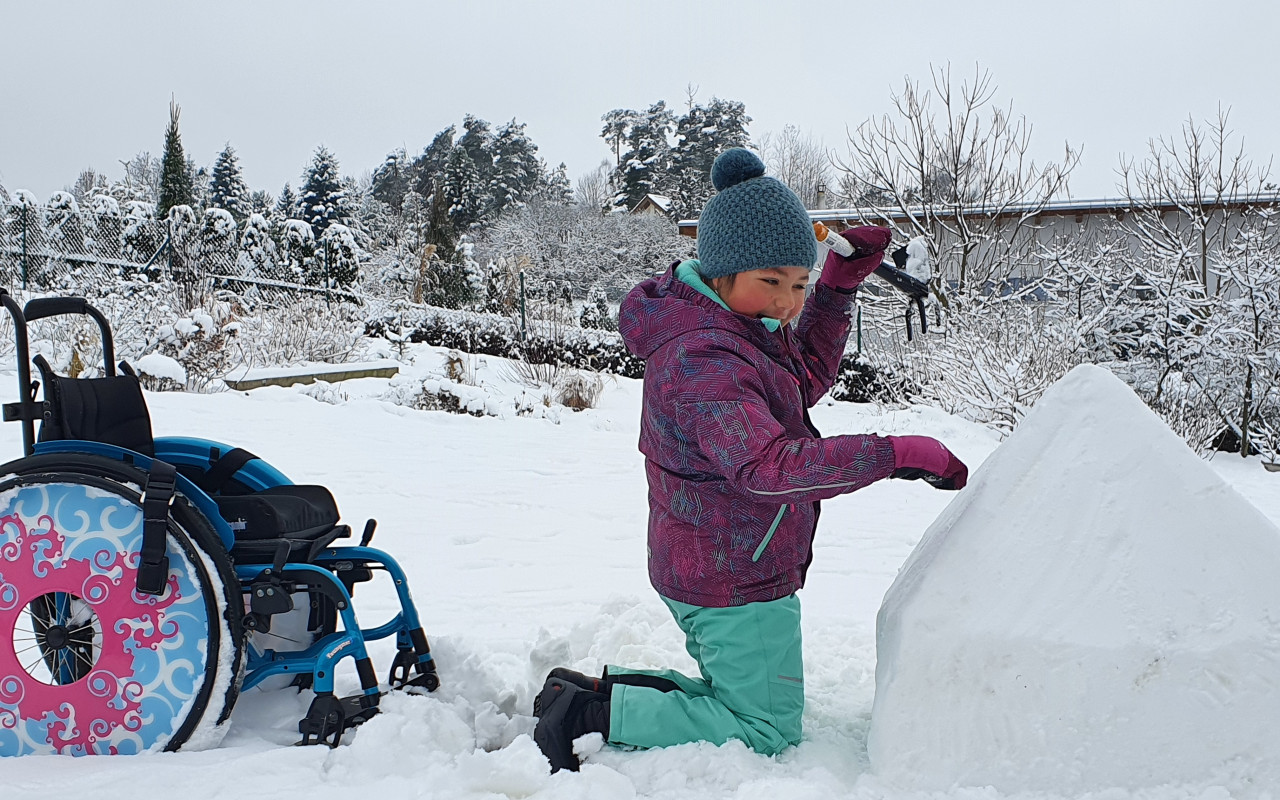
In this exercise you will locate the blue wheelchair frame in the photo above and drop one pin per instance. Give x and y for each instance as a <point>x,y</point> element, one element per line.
<point>319,659</point>
<point>323,574</point>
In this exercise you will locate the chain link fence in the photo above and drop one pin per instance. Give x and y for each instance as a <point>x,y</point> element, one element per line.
<point>59,247</point>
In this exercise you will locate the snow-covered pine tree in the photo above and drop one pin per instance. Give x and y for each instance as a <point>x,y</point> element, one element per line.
<point>644,165</point>
<point>596,313</point>
<point>257,255</point>
<point>286,206</point>
<point>175,178</point>
<point>337,262</point>
<point>217,246</point>
<point>555,186</point>
<point>260,202</point>
<point>323,199</point>
<point>390,180</point>
<point>463,189</point>
<point>227,189</point>
<point>517,170</point>
<point>430,164</point>
<point>477,140</point>
<point>702,133</point>
<point>617,125</point>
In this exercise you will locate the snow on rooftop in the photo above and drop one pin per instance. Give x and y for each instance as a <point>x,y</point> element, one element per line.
<point>1097,609</point>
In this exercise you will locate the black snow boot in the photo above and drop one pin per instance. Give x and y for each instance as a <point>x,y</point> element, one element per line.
<point>567,675</point>
<point>605,683</point>
<point>568,711</point>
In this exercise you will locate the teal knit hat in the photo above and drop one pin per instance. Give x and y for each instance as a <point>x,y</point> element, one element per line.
<point>753,221</point>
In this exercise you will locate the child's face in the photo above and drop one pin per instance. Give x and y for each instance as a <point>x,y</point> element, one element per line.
<point>777,292</point>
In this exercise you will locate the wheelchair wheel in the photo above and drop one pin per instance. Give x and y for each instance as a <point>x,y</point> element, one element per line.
<point>87,664</point>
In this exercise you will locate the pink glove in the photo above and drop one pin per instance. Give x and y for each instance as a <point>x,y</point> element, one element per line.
<point>844,274</point>
<point>924,457</point>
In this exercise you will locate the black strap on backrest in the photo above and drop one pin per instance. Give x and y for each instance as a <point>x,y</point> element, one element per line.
<point>220,471</point>
<point>111,410</point>
<point>157,496</point>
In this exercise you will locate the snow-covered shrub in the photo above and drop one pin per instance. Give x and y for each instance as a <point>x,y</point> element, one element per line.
<point>579,390</point>
<point>257,254</point>
<point>596,312</point>
<point>325,392</point>
<point>490,334</point>
<point>217,246</point>
<point>338,258</point>
<point>297,249</point>
<point>161,373</point>
<point>306,329</point>
<point>199,340</point>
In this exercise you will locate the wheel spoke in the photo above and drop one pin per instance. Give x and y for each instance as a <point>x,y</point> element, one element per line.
<point>82,657</point>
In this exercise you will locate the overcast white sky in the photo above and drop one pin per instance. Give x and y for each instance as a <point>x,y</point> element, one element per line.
<point>87,84</point>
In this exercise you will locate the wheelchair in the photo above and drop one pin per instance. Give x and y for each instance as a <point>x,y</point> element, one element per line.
<point>140,576</point>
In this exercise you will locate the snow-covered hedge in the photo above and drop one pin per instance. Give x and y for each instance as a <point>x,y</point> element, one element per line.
<point>491,334</point>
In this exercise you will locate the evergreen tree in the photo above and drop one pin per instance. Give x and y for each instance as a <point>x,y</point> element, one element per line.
<point>596,313</point>
<point>256,258</point>
<point>324,200</point>
<point>463,190</point>
<point>391,180</point>
<point>338,258</point>
<point>286,206</point>
<point>227,189</point>
<point>517,170</point>
<point>703,133</point>
<point>644,166</point>
<point>430,165</point>
<point>260,202</point>
<point>440,233</point>
<point>175,178</point>
<point>556,187</point>
<point>477,141</point>
<point>617,124</point>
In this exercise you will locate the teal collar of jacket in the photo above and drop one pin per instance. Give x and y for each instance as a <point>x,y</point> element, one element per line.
<point>688,273</point>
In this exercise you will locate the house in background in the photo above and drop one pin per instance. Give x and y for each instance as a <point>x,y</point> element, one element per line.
<point>653,204</point>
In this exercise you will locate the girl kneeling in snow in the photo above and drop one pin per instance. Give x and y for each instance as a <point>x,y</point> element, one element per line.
<point>736,471</point>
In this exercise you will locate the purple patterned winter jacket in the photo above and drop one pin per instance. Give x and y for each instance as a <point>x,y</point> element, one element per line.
<point>735,466</point>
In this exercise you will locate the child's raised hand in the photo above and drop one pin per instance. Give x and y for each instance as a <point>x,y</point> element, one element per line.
<point>927,458</point>
<point>845,274</point>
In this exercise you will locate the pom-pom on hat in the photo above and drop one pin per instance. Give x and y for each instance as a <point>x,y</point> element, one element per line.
<point>753,221</point>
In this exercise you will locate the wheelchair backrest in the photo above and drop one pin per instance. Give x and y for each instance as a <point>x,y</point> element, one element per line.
<point>110,410</point>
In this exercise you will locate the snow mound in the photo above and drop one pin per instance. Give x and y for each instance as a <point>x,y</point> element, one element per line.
<point>1098,609</point>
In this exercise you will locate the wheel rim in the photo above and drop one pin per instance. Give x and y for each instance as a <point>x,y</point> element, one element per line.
<point>69,556</point>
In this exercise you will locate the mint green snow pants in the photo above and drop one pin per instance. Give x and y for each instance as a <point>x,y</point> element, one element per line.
<point>751,689</point>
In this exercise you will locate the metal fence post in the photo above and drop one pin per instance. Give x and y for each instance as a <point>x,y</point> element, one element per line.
<point>24,247</point>
<point>523,323</point>
<point>327,282</point>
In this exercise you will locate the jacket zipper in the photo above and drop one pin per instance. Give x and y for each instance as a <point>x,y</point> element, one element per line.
<point>769,536</point>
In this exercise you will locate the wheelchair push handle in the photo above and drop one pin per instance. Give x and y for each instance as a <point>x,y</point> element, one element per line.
<point>54,306</point>
<point>43,307</point>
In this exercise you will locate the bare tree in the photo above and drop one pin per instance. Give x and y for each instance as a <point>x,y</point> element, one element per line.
<point>1184,193</point>
<point>958,169</point>
<point>592,190</point>
<point>799,161</point>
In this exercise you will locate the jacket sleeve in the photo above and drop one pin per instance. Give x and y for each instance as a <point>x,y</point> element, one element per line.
<point>735,430</point>
<point>821,333</point>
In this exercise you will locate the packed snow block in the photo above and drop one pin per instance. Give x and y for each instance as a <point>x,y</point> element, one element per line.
<point>1097,609</point>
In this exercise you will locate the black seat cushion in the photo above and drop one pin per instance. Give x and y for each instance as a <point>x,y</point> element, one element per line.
<point>296,512</point>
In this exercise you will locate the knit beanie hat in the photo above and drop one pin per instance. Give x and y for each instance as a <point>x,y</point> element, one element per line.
<point>753,221</point>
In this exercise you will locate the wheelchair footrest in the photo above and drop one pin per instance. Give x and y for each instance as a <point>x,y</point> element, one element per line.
<point>329,717</point>
<point>408,672</point>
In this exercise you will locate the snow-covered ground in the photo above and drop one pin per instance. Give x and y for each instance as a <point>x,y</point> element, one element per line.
<point>524,540</point>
